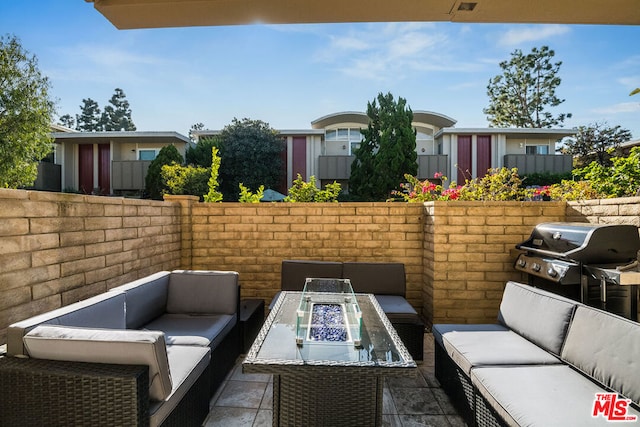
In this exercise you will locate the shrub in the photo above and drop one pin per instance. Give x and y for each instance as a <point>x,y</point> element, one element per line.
<point>246,196</point>
<point>214,196</point>
<point>302,191</point>
<point>621,179</point>
<point>185,179</point>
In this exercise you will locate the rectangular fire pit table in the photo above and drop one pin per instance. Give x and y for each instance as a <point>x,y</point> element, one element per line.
<point>328,382</point>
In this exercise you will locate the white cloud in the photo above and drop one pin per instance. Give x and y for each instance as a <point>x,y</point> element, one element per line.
<point>390,51</point>
<point>621,108</point>
<point>524,34</point>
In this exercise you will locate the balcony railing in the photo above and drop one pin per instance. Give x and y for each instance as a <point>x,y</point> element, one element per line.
<point>339,167</point>
<point>539,163</point>
<point>49,177</point>
<point>129,174</point>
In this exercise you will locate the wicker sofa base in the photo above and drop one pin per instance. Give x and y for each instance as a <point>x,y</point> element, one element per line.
<point>456,384</point>
<point>43,392</point>
<point>40,392</point>
<point>223,358</point>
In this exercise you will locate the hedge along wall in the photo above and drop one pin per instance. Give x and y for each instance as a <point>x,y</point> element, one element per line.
<point>469,255</point>
<point>58,248</point>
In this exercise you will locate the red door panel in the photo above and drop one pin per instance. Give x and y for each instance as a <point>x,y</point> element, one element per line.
<point>484,154</point>
<point>465,170</point>
<point>104,168</point>
<point>299,155</point>
<point>85,168</point>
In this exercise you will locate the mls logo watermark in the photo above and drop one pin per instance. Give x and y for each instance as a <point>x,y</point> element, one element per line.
<point>612,408</point>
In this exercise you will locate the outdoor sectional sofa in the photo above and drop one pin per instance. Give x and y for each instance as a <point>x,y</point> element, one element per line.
<point>386,280</point>
<point>151,352</point>
<point>549,361</point>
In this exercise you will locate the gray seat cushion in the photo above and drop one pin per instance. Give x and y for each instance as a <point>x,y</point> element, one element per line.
<point>541,317</point>
<point>106,310</point>
<point>146,298</point>
<point>440,329</point>
<point>379,278</point>
<point>397,309</point>
<point>203,292</point>
<point>184,329</point>
<point>485,348</point>
<point>545,396</point>
<point>607,348</point>
<point>295,272</point>
<point>187,363</point>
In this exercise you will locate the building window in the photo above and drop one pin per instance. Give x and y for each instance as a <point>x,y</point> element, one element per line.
<point>537,149</point>
<point>350,137</point>
<point>147,154</point>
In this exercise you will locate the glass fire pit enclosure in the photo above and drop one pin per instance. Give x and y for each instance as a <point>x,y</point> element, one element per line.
<point>328,314</point>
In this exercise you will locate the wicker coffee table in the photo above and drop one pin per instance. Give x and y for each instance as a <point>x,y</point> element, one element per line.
<point>337,384</point>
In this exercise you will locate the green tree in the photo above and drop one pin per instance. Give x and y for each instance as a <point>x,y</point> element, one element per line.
<point>251,153</point>
<point>154,186</point>
<point>387,151</point>
<point>117,115</point>
<point>200,154</point>
<point>190,180</point>
<point>214,196</point>
<point>67,120</point>
<point>595,142</point>
<point>194,128</point>
<point>26,114</point>
<point>89,119</point>
<point>521,96</point>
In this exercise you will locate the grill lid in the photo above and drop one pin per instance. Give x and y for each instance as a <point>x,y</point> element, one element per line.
<point>585,243</point>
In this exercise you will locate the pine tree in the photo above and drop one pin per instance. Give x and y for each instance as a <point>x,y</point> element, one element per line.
<point>89,118</point>
<point>117,116</point>
<point>521,95</point>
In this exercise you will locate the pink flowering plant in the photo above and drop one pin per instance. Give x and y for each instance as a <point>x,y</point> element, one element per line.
<point>499,184</point>
<point>428,190</point>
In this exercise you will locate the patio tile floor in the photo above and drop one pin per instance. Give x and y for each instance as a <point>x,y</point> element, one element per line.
<point>245,400</point>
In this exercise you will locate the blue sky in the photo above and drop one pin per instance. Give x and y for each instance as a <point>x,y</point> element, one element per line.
<point>290,75</point>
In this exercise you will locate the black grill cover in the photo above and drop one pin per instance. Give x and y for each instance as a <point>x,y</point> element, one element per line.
<point>585,243</point>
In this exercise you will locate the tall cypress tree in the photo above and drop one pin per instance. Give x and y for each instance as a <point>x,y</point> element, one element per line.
<point>387,152</point>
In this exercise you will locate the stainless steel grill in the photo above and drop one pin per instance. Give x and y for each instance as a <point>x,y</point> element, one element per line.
<point>596,264</point>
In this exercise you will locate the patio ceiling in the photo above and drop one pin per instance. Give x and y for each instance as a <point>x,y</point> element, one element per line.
<point>128,14</point>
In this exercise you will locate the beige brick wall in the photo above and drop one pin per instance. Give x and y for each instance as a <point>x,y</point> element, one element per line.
<point>624,210</point>
<point>57,248</point>
<point>469,255</point>
<point>254,239</point>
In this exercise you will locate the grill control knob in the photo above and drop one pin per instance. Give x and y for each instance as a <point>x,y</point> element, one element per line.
<point>552,272</point>
<point>522,262</point>
<point>536,267</point>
